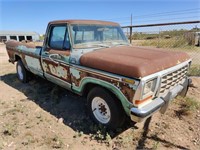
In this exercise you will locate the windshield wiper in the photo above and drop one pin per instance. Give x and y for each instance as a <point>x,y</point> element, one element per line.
<point>118,44</point>
<point>101,45</point>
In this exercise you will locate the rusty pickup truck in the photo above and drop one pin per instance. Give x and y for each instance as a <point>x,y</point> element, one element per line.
<point>94,59</point>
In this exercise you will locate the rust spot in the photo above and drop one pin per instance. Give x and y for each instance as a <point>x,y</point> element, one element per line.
<point>132,62</point>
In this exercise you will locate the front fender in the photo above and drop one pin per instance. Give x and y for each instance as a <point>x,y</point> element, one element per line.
<point>89,80</point>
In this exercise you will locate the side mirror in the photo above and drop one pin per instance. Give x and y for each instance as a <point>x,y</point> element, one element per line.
<point>75,28</point>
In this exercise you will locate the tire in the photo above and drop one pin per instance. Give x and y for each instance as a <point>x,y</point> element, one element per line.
<point>22,73</point>
<point>104,108</point>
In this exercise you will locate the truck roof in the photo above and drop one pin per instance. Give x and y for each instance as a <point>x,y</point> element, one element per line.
<point>97,22</point>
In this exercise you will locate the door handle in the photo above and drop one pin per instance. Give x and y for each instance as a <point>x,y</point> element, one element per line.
<point>47,53</point>
<point>53,55</point>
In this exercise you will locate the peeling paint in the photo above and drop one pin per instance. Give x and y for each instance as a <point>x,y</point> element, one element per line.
<point>62,72</point>
<point>45,67</point>
<point>58,71</point>
<point>77,76</point>
<point>75,73</point>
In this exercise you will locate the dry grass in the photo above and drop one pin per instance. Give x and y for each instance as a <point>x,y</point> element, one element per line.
<point>54,142</point>
<point>174,42</point>
<point>194,70</point>
<point>187,107</point>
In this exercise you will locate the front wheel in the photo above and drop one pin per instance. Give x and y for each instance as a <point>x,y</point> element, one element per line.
<point>104,108</point>
<point>22,73</point>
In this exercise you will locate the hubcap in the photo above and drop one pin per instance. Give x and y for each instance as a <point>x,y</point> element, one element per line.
<point>101,110</point>
<point>20,73</point>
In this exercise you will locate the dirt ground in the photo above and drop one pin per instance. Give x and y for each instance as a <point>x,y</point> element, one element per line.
<point>39,115</point>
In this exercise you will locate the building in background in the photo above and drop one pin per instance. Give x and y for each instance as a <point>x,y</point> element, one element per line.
<point>19,36</point>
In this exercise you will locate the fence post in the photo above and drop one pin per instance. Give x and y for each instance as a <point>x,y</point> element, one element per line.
<point>159,38</point>
<point>130,34</point>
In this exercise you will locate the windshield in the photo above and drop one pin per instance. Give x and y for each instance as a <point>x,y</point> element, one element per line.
<point>88,36</point>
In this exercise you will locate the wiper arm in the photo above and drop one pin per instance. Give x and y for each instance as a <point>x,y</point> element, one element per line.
<point>121,44</point>
<point>101,45</point>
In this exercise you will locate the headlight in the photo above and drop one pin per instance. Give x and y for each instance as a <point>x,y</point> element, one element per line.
<point>149,88</point>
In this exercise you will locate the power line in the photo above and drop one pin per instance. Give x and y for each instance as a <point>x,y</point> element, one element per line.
<point>159,14</point>
<point>181,13</point>
<point>171,18</point>
<point>169,12</point>
<point>164,14</point>
<point>165,19</point>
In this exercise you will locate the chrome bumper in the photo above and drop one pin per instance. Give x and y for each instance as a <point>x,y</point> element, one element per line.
<point>160,103</point>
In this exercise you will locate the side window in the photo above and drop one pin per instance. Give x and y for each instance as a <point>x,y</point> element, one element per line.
<point>59,37</point>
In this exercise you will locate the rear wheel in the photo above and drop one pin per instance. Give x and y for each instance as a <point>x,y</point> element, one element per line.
<point>22,73</point>
<point>104,108</point>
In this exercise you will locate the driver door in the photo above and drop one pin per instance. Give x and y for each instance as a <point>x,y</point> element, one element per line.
<point>55,56</point>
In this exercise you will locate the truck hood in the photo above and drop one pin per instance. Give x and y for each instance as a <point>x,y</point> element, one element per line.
<point>135,62</point>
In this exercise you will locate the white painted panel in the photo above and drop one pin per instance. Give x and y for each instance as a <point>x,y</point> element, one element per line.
<point>33,63</point>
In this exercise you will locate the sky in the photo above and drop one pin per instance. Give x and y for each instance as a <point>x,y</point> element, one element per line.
<point>34,15</point>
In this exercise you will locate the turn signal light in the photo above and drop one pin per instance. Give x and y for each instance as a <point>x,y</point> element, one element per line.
<point>138,102</point>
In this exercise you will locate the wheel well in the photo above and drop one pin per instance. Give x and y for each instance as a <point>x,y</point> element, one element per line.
<point>89,86</point>
<point>17,58</point>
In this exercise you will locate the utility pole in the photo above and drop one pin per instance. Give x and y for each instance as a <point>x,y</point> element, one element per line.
<point>131,19</point>
<point>131,30</point>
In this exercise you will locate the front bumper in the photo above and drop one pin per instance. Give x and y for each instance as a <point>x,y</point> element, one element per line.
<point>160,103</point>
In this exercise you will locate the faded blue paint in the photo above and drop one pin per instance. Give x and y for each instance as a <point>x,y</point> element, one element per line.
<point>34,51</point>
<point>133,86</point>
<point>77,53</point>
<point>75,73</point>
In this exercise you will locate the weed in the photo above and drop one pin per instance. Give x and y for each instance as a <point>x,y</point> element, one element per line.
<point>78,134</point>
<point>108,139</point>
<point>191,104</point>
<point>188,105</point>
<point>54,142</point>
<point>155,145</point>
<point>10,130</point>
<point>99,136</point>
<point>126,140</point>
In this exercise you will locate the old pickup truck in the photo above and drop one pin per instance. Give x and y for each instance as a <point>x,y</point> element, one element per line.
<point>94,59</point>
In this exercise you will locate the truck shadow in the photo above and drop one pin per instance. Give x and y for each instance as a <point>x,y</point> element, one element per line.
<point>144,137</point>
<point>61,103</point>
<point>72,109</point>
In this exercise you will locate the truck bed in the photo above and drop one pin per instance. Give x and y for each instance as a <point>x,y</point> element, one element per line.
<point>28,53</point>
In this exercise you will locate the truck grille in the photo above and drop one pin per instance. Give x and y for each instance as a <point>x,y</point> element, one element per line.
<point>172,79</point>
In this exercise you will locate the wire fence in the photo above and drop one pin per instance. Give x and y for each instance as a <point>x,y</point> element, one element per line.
<point>178,36</point>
